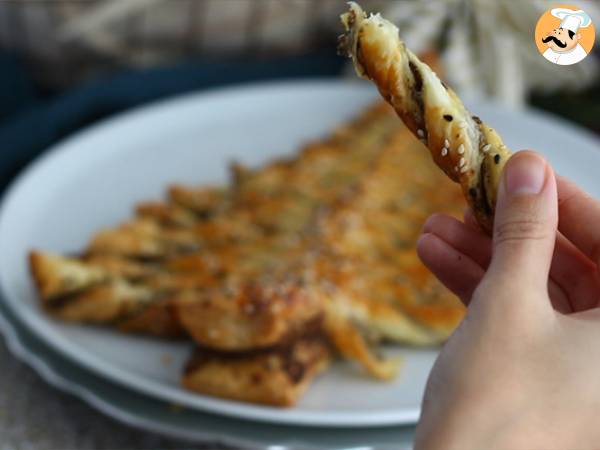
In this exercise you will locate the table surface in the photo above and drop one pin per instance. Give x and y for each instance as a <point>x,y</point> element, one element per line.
<point>34,415</point>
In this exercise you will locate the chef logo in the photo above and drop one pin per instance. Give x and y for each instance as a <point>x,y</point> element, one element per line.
<point>564,35</point>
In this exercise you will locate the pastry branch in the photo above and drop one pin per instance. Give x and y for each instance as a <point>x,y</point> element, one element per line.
<point>469,151</point>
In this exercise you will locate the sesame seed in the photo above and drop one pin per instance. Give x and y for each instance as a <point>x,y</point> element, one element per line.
<point>486,148</point>
<point>420,133</point>
<point>446,143</point>
<point>461,149</point>
<point>455,169</point>
<point>464,169</point>
<point>462,124</point>
<point>462,162</point>
<point>444,151</point>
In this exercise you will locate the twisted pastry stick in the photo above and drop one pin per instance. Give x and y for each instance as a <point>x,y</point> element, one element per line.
<point>466,149</point>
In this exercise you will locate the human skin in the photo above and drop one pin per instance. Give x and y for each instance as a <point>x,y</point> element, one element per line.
<point>521,371</point>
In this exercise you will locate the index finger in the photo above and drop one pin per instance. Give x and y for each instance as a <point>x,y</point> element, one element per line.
<point>579,218</point>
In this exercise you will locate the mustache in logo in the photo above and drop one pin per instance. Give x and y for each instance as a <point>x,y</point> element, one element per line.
<point>555,40</point>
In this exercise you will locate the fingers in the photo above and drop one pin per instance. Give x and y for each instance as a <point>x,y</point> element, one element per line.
<point>470,220</point>
<point>525,223</point>
<point>474,245</point>
<point>571,270</point>
<point>464,238</point>
<point>579,218</point>
<point>456,271</point>
<point>574,282</point>
<point>576,274</point>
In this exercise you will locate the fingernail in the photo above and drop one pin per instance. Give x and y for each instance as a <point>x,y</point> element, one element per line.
<point>526,174</point>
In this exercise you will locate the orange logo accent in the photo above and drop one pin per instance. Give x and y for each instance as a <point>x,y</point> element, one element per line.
<point>565,35</point>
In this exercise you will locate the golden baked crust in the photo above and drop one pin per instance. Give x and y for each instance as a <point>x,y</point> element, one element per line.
<point>56,276</point>
<point>102,290</point>
<point>255,316</point>
<point>266,271</point>
<point>368,245</point>
<point>317,245</point>
<point>215,245</point>
<point>166,214</point>
<point>204,201</point>
<point>466,149</point>
<point>144,239</point>
<point>375,286</point>
<point>276,377</point>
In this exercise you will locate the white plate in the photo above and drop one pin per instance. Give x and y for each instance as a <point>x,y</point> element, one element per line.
<point>92,180</point>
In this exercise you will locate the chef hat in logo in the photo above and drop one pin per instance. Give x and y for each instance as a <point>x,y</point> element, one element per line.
<point>572,20</point>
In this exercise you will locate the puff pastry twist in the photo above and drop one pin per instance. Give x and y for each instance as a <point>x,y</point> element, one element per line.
<point>466,149</point>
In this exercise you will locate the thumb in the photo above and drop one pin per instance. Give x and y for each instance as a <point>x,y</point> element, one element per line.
<point>525,223</point>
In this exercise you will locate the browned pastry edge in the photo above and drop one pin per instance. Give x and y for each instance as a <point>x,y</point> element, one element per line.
<point>275,376</point>
<point>252,317</point>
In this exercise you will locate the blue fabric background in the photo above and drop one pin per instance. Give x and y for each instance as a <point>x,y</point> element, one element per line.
<point>30,122</point>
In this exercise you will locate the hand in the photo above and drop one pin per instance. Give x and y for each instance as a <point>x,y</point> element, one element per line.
<point>522,369</point>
